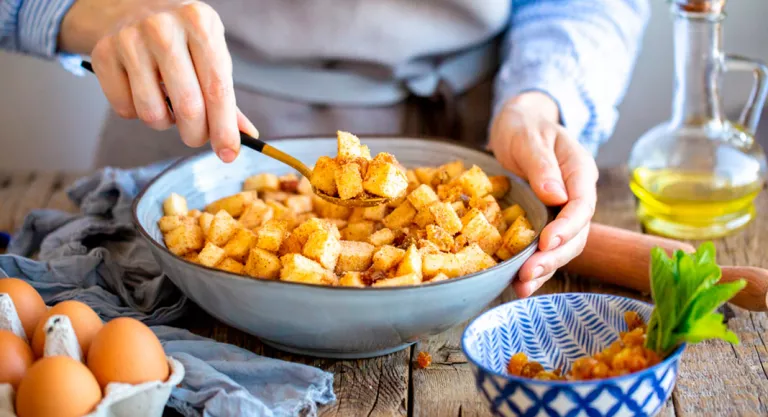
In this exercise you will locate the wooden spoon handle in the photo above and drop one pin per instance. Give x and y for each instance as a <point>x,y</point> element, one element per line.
<point>622,257</point>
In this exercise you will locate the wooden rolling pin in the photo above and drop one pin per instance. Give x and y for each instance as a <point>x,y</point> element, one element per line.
<point>623,258</point>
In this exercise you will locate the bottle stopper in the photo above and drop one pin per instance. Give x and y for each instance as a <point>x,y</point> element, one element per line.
<point>701,6</point>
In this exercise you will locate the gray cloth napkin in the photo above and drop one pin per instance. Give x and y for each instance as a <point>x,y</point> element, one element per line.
<point>97,257</point>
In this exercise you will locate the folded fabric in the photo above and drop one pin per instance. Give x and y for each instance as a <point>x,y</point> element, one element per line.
<point>97,257</point>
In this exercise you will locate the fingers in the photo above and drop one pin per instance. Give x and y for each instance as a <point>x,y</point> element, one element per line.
<point>580,175</point>
<point>544,263</point>
<point>526,289</point>
<point>542,169</point>
<point>168,43</point>
<point>214,71</point>
<point>148,97</point>
<point>246,126</point>
<point>502,151</point>
<point>113,78</point>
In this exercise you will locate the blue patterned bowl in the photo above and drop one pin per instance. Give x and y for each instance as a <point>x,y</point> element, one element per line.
<point>555,330</point>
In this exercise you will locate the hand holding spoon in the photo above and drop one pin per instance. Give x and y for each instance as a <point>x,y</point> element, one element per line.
<point>274,153</point>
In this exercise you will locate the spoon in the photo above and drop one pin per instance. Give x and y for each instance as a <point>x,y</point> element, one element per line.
<point>274,153</point>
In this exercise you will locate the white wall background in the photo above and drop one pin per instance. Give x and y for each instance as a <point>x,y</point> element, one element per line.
<point>50,119</point>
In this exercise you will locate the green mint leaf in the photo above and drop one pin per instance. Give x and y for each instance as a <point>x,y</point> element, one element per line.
<point>653,332</point>
<point>707,271</point>
<point>707,301</point>
<point>705,254</point>
<point>686,293</point>
<point>686,268</point>
<point>709,327</point>
<point>663,293</point>
<point>701,273</point>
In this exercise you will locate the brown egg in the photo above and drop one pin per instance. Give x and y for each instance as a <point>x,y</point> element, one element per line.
<point>126,350</point>
<point>28,303</point>
<point>57,386</point>
<point>84,320</point>
<point>15,359</point>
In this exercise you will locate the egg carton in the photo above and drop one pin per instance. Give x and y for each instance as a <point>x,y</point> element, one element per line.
<point>120,400</point>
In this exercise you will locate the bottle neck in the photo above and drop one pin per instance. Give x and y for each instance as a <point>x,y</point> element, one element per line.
<point>698,62</point>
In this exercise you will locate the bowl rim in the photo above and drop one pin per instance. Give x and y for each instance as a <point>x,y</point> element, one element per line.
<point>263,281</point>
<point>675,355</point>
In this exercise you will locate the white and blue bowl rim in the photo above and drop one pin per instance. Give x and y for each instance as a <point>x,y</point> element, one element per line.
<point>523,380</point>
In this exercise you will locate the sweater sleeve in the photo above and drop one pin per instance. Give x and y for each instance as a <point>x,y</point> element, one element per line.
<point>579,52</point>
<point>32,27</point>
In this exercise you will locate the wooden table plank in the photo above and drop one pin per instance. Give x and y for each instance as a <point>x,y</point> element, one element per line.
<point>36,195</point>
<point>59,199</point>
<point>615,202</point>
<point>5,178</point>
<point>372,387</point>
<point>10,197</point>
<point>447,386</point>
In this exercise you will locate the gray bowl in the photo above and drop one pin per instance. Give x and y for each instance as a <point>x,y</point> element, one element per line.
<point>331,322</point>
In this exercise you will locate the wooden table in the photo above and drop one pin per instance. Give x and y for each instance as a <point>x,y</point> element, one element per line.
<point>716,379</point>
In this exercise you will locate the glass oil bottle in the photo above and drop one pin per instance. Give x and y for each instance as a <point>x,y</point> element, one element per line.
<point>697,175</point>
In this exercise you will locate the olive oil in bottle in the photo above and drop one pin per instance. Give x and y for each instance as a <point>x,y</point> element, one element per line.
<point>692,205</point>
<point>697,175</point>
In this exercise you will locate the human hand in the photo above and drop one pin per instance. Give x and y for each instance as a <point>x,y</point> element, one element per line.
<point>526,139</point>
<point>137,44</point>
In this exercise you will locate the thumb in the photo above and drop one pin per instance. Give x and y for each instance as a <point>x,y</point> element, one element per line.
<point>541,169</point>
<point>246,126</point>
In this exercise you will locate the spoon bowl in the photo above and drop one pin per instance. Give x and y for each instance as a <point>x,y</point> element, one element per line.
<point>277,154</point>
<point>367,202</point>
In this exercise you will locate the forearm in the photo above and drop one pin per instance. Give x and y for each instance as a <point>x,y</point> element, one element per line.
<point>580,53</point>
